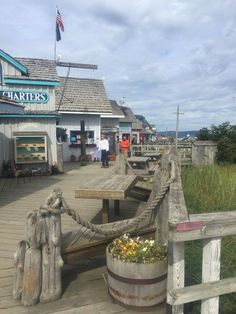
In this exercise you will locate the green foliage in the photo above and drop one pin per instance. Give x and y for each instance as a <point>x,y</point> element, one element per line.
<point>204,134</point>
<point>61,134</point>
<point>225,136</point>
<point>55,169</point>
<point>211,189</point>
<point>137,250</point>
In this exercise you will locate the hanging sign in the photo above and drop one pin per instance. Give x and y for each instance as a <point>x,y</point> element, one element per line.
<point>26,96</point>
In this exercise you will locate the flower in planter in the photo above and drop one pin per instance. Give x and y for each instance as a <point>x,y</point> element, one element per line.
<point>137,250</point>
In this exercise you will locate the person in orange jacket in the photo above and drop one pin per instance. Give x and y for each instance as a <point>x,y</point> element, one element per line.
<point>124,146</point>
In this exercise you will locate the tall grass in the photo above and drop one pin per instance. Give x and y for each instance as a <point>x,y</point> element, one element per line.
<point>211,189</point>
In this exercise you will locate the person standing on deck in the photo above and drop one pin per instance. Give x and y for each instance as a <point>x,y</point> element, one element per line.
<point>104,147</point>
<point>124,146</point>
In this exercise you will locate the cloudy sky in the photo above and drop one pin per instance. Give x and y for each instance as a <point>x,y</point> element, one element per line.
<point>151,54</point>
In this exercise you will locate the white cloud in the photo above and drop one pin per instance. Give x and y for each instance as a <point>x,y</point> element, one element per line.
<point>156,53</point>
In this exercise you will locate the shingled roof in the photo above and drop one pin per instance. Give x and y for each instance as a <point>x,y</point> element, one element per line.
<point>40,69</point>
<point>130,117</point>
<point>116,110</point>
<point>82,95</point>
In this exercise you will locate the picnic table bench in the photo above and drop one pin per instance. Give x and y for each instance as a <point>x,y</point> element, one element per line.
<point>139,164</point>
<point>153,156</point>
<point>113,187</point>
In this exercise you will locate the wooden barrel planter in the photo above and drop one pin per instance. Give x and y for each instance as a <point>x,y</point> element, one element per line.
<point>137,285</point>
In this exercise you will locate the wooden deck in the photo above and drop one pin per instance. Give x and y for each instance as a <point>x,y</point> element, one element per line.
<point>84,287</point>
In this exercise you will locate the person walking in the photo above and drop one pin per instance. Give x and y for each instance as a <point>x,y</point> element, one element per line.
<point>124,146</point>
<point>104,147</point>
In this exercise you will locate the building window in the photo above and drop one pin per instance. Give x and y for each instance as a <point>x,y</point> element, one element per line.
<point>1,74</point>
<point>75,137</point>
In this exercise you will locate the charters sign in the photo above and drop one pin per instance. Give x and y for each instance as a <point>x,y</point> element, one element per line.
<point>25,96</point>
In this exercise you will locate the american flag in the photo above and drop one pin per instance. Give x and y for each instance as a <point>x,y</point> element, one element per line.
<point>59,25</point>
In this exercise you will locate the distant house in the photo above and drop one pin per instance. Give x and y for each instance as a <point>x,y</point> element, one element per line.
<point>129,125</point>
<point>81,100</point>
<point>27,111</point>
<point>147,130</point>
<point>110,126</point>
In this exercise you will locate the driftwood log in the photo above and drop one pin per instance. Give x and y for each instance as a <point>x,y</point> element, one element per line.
<point>32,264</point>
<point>32,277</point>
<point>38,260</point>
<point>52,261</point>
<point>19,259</point>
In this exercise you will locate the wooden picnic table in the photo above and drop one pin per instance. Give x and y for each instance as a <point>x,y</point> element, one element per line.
<point>113,187</point>
<point>139,164</point>
<point>153,156</point>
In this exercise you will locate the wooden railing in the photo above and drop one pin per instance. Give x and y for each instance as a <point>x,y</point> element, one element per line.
<point>140,150</point>
<point>184,151</point>
<point>210,228</point>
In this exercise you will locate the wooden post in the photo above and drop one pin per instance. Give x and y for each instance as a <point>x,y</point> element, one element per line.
<point>82,128</point>
<point>117,207</point>
<point>52,261</point>
<point>176,266</point>
<point>19,259</point>
<point>121,164</point>
<point>32,277</point>
<point>105,211</point>
<point>38,269</point>
<point>176,261</point>
<point>211,272</point>
<point>32,267</point>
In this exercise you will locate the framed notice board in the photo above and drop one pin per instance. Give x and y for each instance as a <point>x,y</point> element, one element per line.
<point>30,149</point>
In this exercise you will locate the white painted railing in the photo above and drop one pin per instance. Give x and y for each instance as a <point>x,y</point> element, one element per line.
<point>210,228</point>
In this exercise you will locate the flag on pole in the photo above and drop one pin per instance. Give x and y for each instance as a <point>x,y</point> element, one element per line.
<point>59,25</point>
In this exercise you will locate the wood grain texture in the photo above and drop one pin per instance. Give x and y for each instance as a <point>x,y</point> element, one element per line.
<point>115,187</point>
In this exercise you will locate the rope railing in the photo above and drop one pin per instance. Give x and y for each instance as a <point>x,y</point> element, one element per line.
<point>133,223</point>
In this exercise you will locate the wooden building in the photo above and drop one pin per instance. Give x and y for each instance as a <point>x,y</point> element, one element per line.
<point>81,100</point>
<point>27,112</point>
<point>129,125</point>
<point>110,126</point>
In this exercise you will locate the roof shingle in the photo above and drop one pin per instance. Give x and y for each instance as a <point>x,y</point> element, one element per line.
<point>40,69</point>
<point>82,95</point>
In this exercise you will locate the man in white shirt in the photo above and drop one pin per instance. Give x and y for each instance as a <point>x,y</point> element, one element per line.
<point>104,147</point>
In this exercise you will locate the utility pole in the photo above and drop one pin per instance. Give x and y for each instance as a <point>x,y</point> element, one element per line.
<point>177,127</point>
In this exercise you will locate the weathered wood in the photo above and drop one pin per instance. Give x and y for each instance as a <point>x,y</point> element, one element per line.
<point>97,247</point>
<point>176,272</point>
<point>52,261</point>
<point>117,207</point>
<point>211,272</point>
<point>19,260</point>
<point>202,291</point>
<point>178,212</point>
<point>113,187</point>
<point>120,166</point>
<point>214,225</point>
<point>32,277</point>
<point>105,211</point>
<point>138,165</point>
<point>136,284</point>
<point>77,65</point>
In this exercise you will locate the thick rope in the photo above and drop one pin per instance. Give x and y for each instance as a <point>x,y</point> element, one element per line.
<point>133,223</point>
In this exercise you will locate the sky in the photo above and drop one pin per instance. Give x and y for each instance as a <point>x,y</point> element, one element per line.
<point>152,55</point>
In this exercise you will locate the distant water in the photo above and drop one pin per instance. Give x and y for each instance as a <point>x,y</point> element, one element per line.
<point>181,134</point>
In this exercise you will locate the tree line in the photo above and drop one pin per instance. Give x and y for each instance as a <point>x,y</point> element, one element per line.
<point>225,137</point>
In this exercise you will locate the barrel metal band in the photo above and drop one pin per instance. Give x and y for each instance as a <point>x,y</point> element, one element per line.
<point>137,281</point>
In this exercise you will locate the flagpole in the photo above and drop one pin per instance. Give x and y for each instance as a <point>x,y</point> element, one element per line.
<point>55,44</point>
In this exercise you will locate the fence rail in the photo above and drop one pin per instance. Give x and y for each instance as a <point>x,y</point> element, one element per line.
<point>210,228</point>
<point>184,151</point>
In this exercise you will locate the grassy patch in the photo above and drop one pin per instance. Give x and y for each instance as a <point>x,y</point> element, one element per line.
<point>211,189</point>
